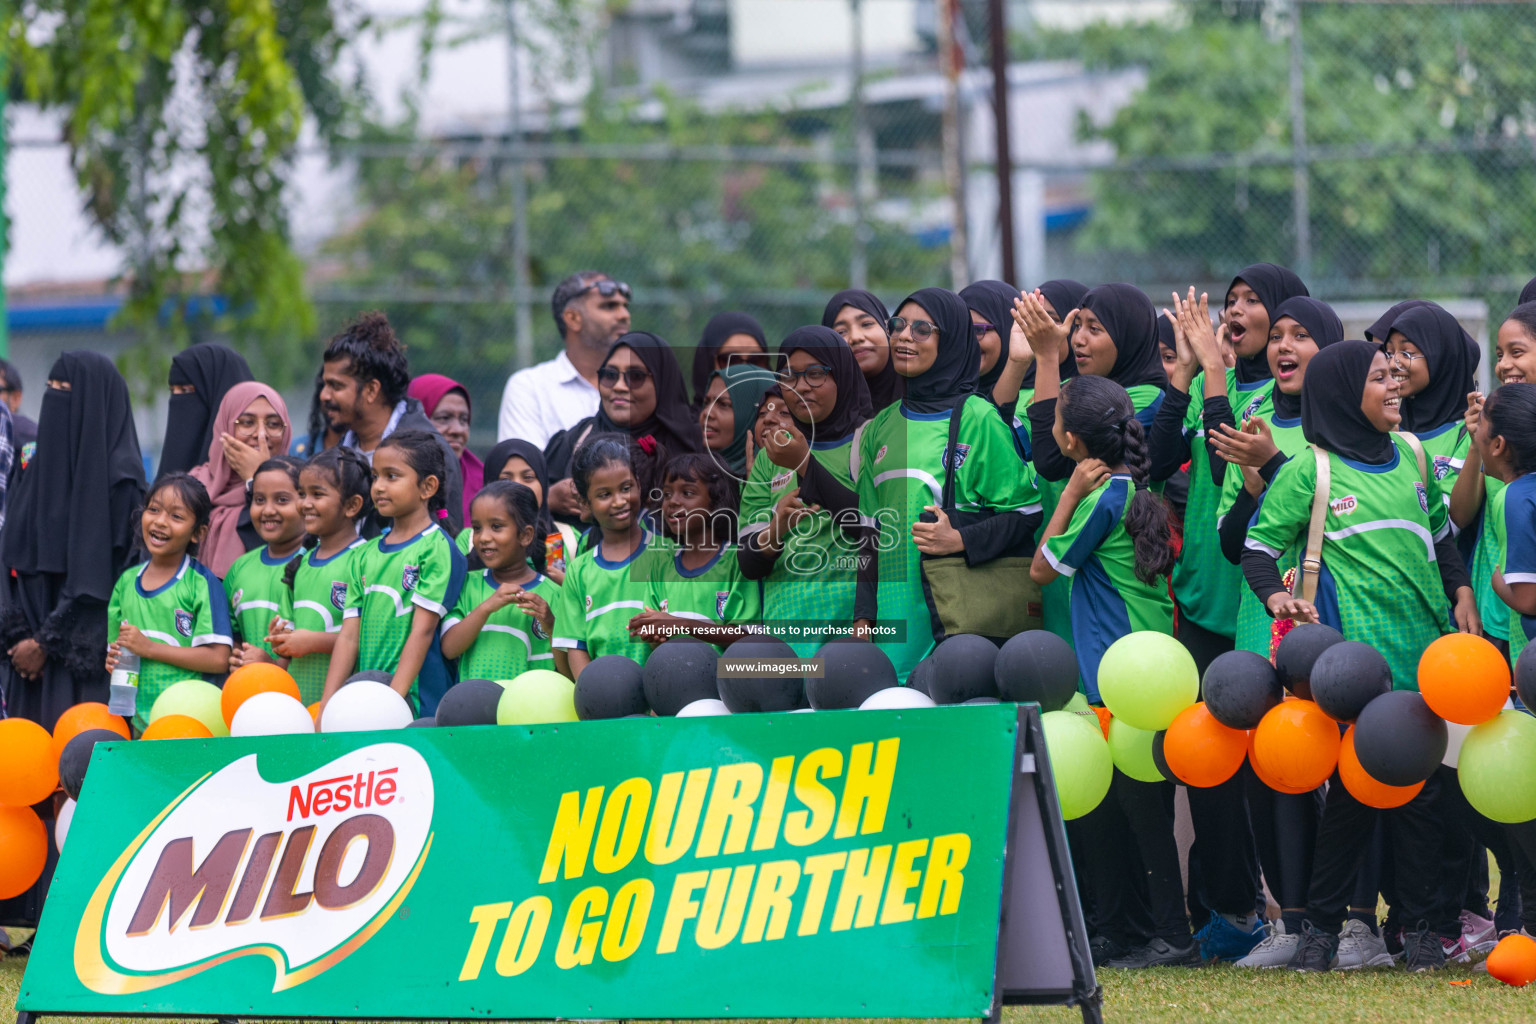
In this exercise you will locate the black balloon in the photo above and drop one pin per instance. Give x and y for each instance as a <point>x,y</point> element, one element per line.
<point>964,667</point>
<point>1239,687</point>
<point>1159,758</point>
<point>423,723</point>
<point>851,671</point>
<point>1036,666</point>
<point>1525,675</point>
<point>1298,652</point>
<point>768,692</point>
<point>679,672</point>
<point>372,675</point>
<point>1398,739</point>
<point>610,687</point>
<point>77,756</point>
<point>921,676</point>
<point>1348,676</point>
<point>471,702</point>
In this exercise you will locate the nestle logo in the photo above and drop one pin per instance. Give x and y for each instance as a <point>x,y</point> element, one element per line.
<point>359,791</point>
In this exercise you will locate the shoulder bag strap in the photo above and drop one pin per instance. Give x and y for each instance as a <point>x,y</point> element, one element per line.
<point>1312,558</point>
<point>1418,453</point>
<point>947,496</point>
<point>854,455</point>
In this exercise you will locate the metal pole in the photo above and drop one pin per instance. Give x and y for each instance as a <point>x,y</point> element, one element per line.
<point>858,261</point>
<point>997,27</point>
<point>521,320</point>
<point>950,60</point>
<point>1301,200</point>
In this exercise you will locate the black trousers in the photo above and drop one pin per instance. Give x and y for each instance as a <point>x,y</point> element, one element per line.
<point>1285,835</point>
<point>1109,875</point>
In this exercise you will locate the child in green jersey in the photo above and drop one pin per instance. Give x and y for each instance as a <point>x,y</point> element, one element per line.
<point>333,499</point>
<point>554,542</point>
<point>696,587</point>
<point>600,596</point>
<point>1506,441</point>
<point>171,610</point>
<point>255,582</point>
<point>404,582</point>
<point>502,623</point>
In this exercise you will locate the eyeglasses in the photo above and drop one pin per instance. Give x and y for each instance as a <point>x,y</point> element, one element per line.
<point>814,376</point>
<point>634,376</point>
<point>273,423</point>
<point>921,329</point>
<point>1404,356</point>
<point>607,289</point>
<point>982,328</point>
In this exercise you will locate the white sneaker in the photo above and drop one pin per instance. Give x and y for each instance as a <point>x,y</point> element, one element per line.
<point>1275,950</point>
<point>1361,947</point>
<point>1477,933</point>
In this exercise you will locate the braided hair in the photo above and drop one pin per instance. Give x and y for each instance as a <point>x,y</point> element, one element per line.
<point>1099,412</point>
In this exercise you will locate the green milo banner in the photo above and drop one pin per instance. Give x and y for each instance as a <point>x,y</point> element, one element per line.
<point>829,864</point>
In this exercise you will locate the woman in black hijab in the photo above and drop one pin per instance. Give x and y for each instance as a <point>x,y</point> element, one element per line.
<point>1379,330</point>
<point>991,304</point>
<point>1264,285</point>
<point>68,533</point>
<point>200,376</point>
<point>1436,361</point>
<point>709,357</point>
<point>859,318</point>
<point>1061,296</point>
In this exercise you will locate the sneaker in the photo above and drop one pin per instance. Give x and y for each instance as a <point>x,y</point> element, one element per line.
<point>1360,947</point>
<point>1103,948</point>
<point>1456,950</point>
<point>1275,950</point>
<point>1158,953</point>
<point>1423,949</point>
<point>1478,934</point>
<point>1220,939</point>
<point>1317,950</point>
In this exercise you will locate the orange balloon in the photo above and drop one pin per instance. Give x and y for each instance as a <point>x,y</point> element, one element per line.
<point>1201,751</point>
<point>176,727</point>
<point>29,772</point>
<point>314,713</point>
<point>1295,745</point>
<point>1364,788</point>
<point>23,850</point>
<point>83,718</point>
<point>249,680</point>
<point>1103,716</point>
<point>1268,780</point>
<point>1513,960</point>
<point>1463,678</point>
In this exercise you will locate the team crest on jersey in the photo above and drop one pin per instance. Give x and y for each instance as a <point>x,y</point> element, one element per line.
<point>955,458</point>
<point>1343,506</point>
<point>1418,486</point>
<point>538,630</point>
<point>881,453</point>
<point>183,622</point>
<point>589,602</point>
<point>721,596</point>
<point>1442,466</point>
<point>1253,406</point>
<point>339,596</point>
<point>410,577</point>
<point>238,595</point>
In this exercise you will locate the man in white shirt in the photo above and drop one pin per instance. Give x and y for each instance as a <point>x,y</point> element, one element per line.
<point>592,311</point>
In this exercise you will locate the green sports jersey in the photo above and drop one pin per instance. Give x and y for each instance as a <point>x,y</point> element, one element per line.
<point>716,592</point>
<point>598,599</point>
<point>1108,600</point>
<point>190,610</point>
<point>511,641</point>
<point>1489,553</point>
<point>464,542</point>
<point>902,457</point>
<point>1208,586</point>
<point>389,582</point>
<point>815,576</point>
<point>1253,621</point>
<point>1380,581</point>
<point>254,585</point>
<point>1446,450</point>
<point>316,602</point>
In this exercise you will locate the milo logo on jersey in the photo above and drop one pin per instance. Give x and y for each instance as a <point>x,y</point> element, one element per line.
<point>301,872</point>
<point>1423,493</point>
<point>1442,466</point>
<point>1343,506</point>
<point>954,458</point>
<point>410,577</point>
<point>339,596</point>
<point>184,622</point>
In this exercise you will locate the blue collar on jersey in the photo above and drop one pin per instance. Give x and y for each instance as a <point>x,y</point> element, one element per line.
<point>316,561</point>
<point>385,545</point>
<point>138,580</point>
<point>490,581</point>
<point>597,552</point>
<point>687,574</point>
<point>267,559</point>
<point>1383,467</point>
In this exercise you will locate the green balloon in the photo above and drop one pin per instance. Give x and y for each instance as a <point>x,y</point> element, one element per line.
<point>1147,678</point>
<point>535,697</point>
<point>195,698</point>
<point>1131,749</point>
<point>1495,767</point>
<point>1079,760</point>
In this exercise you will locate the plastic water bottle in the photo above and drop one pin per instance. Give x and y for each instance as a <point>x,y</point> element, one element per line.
<point>123,698</point>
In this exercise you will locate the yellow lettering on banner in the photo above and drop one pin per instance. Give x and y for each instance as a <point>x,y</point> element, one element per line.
<point>736,790</point>
<point>571,836</point>
<point>821,868</point>
<point>903,877</point>
<point>485,918</point>
<point>676,818</point>
<point>680,907</point>
<point>942,881</point>
<point>578,939</point>
<point>720,917</point>
<point>623,826</point>
<point>626,922</point>
<point>524,938</point>
<point>867,787</point>
<point>858,898</point>
<point>772,904</point>
<point>772,812</point>
<point>802,828</point>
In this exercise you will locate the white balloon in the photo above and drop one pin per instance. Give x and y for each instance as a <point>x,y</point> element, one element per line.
<point>802,711</point>
<point>271,714</point>
<point>896,697</point>
<point>982,700</point>
<point>1454,734</point>
<point>61,823</point>
<point>705,708</point>
<point>363,706</point>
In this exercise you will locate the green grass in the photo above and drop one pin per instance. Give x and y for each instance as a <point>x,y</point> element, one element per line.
<point>1218,994</point>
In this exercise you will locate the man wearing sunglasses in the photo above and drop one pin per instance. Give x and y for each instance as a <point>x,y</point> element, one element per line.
<point>592,311</point>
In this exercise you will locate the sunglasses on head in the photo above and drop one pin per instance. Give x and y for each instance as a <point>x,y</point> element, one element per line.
<point>921,329</point>
<point>607,289</point>
<point>634,376</point>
